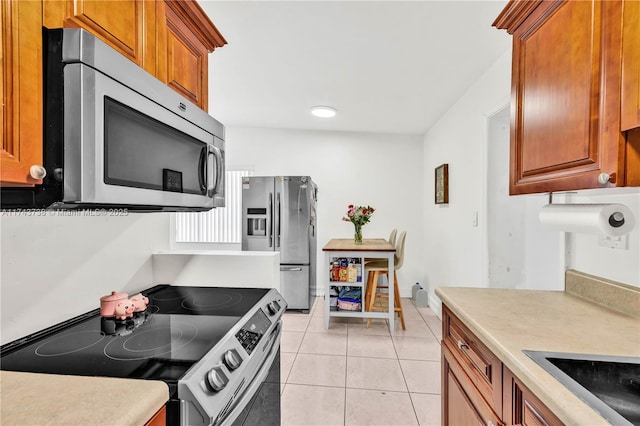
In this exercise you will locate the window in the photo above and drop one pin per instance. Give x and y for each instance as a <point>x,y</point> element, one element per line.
<point>219,225</point>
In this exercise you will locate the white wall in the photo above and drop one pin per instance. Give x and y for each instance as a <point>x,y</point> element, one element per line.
<point>56,267</point>
<point>455,252</point>
<point>454,249</point>
<point>587,255</point>
<point>513,232</point>
<point>384,171</point>
<point>210,268</point>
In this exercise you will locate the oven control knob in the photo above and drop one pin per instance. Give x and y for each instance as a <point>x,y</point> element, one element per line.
<point>272,308</point>
<point>216,380</point>
<point>232,359</point>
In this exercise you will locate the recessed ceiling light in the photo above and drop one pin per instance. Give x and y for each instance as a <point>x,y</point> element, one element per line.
<point>323,111</point>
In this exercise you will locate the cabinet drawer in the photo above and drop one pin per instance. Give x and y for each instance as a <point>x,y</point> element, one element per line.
<point>480,365</point>
<point>463,404</point>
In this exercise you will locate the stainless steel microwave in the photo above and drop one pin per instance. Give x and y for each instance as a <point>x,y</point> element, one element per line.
<point>115,136</point>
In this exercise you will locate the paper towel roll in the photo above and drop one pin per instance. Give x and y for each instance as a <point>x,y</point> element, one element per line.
<point>606,219</point>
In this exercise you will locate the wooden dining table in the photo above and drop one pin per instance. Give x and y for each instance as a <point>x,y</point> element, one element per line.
<point>346,248</point>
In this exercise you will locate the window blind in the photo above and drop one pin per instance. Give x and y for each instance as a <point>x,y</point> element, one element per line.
<point>219,225</point>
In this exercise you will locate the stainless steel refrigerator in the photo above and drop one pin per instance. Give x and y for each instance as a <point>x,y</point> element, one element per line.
<point>279,214</point>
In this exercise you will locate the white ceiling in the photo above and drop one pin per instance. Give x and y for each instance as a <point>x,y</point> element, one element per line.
<point>386,66</point>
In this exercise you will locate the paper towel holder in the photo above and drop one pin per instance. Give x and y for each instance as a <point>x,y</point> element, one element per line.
<point>551,195</point>
<point>616,220</point>
<point>607,219</point>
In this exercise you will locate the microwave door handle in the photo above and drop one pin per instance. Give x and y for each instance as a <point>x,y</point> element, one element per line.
<point>212,176</point>
<point>202,170</point>
<point>215,187</point>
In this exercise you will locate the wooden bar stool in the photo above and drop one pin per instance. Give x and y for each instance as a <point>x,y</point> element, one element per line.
<point>367,261</point>
<point>375,299</point>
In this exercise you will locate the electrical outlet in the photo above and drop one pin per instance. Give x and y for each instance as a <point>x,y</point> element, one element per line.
<point>620,243</point>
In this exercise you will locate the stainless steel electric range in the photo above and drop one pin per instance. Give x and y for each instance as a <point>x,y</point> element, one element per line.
<point>217,348</point>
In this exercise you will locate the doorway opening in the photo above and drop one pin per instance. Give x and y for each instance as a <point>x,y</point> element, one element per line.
<point>520,253</point>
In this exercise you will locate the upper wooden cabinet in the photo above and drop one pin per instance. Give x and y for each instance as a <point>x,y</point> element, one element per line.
<point>171,40</point>
<point>190,36</point>
<point>565,95</point>
<point>631,66</point>
<point>129,26</point>
<point>21,90</point>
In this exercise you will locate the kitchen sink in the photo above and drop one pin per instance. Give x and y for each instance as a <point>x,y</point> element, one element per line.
<point>608,384</point>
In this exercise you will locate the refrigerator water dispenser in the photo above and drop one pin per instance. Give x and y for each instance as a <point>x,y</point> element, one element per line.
<point>257,222</point>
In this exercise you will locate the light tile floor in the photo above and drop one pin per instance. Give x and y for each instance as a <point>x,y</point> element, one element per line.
<point>353,375</point>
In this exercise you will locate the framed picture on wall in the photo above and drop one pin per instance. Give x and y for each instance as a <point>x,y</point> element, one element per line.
<point>442,184</point>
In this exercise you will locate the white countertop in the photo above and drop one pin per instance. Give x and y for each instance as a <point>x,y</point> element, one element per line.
<point>217,253</point>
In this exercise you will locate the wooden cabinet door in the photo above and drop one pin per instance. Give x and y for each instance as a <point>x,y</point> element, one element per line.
<point>187,62</point>
<point>159,419</point>
<point>522,407</point>
<point>566,96</point>
<point>630,65</point>
<point>190,37</point>
<point>477,361</point>
<point>462,402</point>
<point>21,90</point>
<point>129,26</point>
<point>460,410</point>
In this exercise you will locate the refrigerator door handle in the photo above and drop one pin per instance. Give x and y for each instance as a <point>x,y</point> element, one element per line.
<point>278,224</point>
<point>270,220</point>
<point>291,269</point>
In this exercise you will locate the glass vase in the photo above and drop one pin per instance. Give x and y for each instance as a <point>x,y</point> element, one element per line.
<point>358,234</point>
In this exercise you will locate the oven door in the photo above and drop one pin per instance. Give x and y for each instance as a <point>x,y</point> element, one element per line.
<point>121,148</point>
<point>259,405</point>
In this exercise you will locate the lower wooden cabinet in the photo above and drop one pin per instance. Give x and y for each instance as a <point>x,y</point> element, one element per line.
<point>463,412</point>
<point>462,403</point>
<point>477,362</point>
<point>477,389</point>
<point>525,408</point>
<point>159,419</point>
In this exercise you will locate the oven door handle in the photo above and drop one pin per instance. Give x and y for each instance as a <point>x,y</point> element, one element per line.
<point>253,387</point>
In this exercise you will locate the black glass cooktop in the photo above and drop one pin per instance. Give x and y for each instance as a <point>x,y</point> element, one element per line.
<point>179,326</point>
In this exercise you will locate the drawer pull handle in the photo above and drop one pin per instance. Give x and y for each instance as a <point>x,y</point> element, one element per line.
<point>462,345</point>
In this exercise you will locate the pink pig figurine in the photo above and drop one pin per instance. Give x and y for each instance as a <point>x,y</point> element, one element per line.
<point>124,309</point>
<point>140,302</point>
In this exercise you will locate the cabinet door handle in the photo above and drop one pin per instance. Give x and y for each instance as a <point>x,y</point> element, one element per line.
<point>37,171</point>
<point>604,178</point>
<point>462,346</point>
